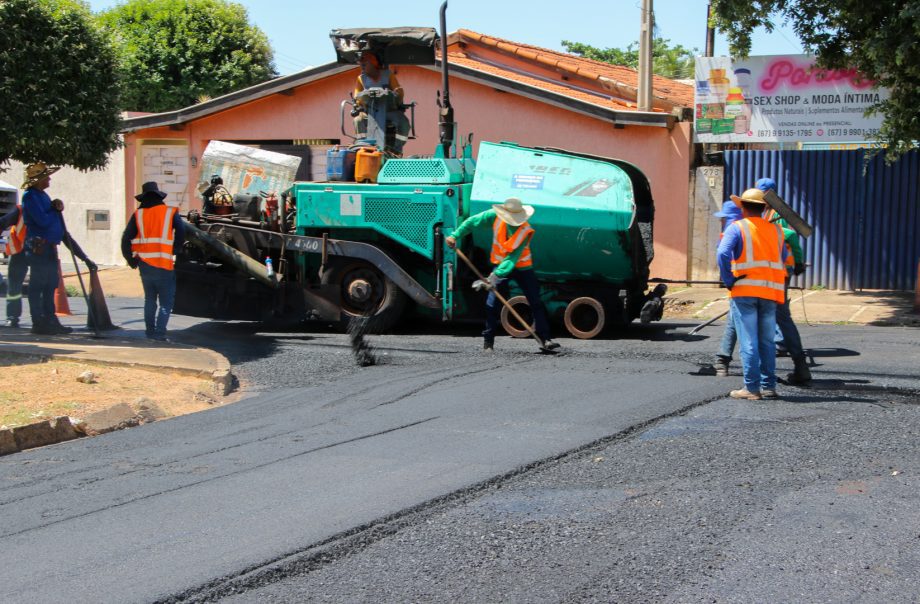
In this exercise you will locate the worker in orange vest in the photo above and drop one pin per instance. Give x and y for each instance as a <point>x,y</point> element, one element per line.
<point>18,265</point>
<point>752,263</point>
<point>149,243</point>
<point>511,236</point>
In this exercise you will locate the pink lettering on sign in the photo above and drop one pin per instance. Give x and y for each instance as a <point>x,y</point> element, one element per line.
<point>784,71</point>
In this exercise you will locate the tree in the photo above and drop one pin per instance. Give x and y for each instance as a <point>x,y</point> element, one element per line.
<point>174,52</point>
<point>675,62</point>
<point>879,39</point>
<point>59,105</point>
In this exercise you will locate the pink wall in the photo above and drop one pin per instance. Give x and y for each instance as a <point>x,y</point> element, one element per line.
<point>313,112</point>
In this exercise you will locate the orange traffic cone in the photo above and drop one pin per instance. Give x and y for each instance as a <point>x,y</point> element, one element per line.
<point>99,310</point>
<point>61,305</point>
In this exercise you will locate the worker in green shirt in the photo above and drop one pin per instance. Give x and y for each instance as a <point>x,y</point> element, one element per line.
<point>787,336</point>
<point>511,257</point>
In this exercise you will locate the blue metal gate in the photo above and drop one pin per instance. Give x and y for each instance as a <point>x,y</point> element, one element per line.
<point>866,216</point>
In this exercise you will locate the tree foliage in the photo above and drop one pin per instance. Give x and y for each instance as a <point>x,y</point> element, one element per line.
<point>675,62</point>
<point>880,39</point>
<point>174,52</point>
<point>59,105</point>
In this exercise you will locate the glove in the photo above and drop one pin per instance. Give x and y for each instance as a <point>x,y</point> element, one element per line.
<point>90,265</point>
<point>494,280</point>
<point>132,262</point>
<point>798,270</point>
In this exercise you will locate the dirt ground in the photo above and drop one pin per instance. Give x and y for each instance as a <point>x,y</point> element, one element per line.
<point>117,282</point>
<point>33,390</point>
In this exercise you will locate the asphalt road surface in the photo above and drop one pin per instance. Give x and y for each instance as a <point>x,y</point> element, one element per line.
<point>611,472</point>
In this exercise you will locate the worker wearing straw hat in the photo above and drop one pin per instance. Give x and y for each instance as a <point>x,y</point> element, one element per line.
<point>44,226</point>
<point>510,254</point>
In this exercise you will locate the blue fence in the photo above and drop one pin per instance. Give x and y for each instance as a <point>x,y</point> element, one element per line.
<point>866,216</point>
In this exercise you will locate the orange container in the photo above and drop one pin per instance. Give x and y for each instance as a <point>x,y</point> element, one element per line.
<point>367,164</point>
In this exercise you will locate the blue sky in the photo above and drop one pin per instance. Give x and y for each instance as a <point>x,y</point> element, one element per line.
<point>299,29</point>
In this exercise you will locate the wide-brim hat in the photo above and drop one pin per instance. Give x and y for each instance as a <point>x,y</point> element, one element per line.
<point>750,196</point>
<point>150,191</point>
<point>729,210</point>
<point>35,172</point>
<point>513,212</point>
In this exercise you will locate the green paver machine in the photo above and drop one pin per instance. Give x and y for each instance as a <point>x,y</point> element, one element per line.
<point>377,250</point>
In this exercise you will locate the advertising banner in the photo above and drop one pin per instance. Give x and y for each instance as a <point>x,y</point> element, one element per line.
<point>781,98</point>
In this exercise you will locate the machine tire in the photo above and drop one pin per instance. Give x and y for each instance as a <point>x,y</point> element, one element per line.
<point>384,303</point>
<point>510,324</point>
<point>578,320</point>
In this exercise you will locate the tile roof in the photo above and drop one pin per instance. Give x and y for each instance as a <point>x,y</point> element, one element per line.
<point>604,78</point>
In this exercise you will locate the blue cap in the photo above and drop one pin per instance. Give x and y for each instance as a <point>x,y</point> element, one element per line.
<point>729,210</point>
<point>766,184</point>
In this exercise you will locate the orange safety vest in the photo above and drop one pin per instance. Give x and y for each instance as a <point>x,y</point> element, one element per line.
<point>761,261</point>
<point>154,241</point>
<point>14,242</point>
<point>502,245</point>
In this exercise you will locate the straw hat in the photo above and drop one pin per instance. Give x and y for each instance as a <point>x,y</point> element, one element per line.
<point>750,196</point>
<point>35,172</point>
<point>513,212</point>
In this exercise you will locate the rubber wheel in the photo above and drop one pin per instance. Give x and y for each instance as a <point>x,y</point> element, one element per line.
<point>511,325</point>
<point>366,292</point>
<point>584,318</point>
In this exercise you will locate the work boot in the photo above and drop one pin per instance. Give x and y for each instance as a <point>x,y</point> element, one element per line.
<point>42,328</point>
<point>56,326</point>
<point>550,345</point>
<point>12,322</point>
<point>802,374</point>
<point>721,365</point>
<point>488,345</point>
<point>769,393</point>
<point>745,394</point>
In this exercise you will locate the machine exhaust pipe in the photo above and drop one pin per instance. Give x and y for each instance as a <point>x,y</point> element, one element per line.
<point>446,114</point>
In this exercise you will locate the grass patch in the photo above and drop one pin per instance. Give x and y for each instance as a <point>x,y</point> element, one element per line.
<point>72,291</point>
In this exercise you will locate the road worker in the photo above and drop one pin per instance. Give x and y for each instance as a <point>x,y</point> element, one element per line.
<point>788,337</point>
<point>728,214</point>
<point>751,259</point>
<point>151,239</point>
<point>510,255</point>
<point>43,221</point>
<point>375,75</point>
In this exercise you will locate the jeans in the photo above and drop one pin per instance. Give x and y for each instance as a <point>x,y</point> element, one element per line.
<point>159,284</point>
<point>44,280</point>
<point>729,337</point>
<point>527,281</point>
<point>18,268</point>
<point>755,319</point>
<point>787,334</point>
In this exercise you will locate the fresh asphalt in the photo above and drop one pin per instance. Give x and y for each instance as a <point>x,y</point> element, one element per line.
<point>612,472</point>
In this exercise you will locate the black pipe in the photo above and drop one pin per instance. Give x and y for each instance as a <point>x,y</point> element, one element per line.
<point>446,114</point>
<point>438,260</point>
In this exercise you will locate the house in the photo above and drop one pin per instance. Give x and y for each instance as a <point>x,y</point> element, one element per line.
<point>500,90</point>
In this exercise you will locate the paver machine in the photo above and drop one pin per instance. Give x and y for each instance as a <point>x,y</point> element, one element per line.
<point>376,249</point>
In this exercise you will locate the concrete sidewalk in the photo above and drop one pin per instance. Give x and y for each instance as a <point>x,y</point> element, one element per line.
<point>808,306</point>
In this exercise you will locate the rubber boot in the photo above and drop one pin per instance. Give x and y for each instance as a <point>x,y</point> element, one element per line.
<point>721,366</point>
<point>802,374</point>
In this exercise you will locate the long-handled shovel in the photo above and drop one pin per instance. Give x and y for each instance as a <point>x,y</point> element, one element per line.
<point>504,302</point>
<point>89,305</point>
<point>709,322</point>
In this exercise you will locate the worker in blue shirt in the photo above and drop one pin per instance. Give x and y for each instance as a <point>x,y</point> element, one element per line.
<point>729,214</point>
<point>44,231</point>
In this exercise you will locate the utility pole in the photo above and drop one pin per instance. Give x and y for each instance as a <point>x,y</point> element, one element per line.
<point>645,57</point>
<point>710,33</point>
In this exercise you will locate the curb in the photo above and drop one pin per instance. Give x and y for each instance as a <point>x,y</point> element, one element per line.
<point>39,434</point>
